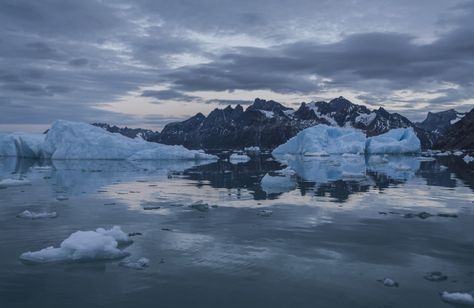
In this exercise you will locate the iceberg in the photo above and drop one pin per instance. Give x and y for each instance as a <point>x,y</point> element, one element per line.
<point>75,140</point>
<point>321,140</point>
<point>395,141</point>
<point>101,244</point>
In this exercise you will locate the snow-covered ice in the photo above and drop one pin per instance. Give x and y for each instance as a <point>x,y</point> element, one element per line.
<point>458,298</point>
<point>101,244</point>
<point>395,141</point>
<point>239,158</point>
<point>324,139</point>
<point>36,215</point>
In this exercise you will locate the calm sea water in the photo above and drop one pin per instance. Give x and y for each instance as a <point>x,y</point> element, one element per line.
<point>329,234</point>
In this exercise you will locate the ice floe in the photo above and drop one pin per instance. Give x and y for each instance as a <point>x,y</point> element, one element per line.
<point>13,182</point>
<point>468,159</point>
<point>388,282</point>
<point>139,264</point>
<point>458,298</point>
<point>101,244</point>
<point>239,158</point>
<point>36,215</point>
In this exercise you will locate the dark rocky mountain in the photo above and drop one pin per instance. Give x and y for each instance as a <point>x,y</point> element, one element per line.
<point>439,122</point>
<point>268,124</point>
<point>459,135</point>
<point>146,134</point>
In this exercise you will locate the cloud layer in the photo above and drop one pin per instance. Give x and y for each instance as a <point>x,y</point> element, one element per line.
<point>63,59</point>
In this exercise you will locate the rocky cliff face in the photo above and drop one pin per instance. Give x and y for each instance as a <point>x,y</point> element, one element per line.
<point>146,134</point>
<point>268,124</point>
<point>439,122</point>
<point>459,135</point>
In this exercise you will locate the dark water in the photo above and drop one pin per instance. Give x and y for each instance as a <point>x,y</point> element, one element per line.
<point>337,227</point>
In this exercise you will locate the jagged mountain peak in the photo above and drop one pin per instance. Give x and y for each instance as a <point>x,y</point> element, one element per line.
<point>267,123</point>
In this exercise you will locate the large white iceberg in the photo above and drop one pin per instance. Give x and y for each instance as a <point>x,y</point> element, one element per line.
<point>101,244</point>
<point>395,141</point>
<point>74,140</point>
<point>323,139</point>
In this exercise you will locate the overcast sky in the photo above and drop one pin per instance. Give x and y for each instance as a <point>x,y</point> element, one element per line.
<point>149,62</point>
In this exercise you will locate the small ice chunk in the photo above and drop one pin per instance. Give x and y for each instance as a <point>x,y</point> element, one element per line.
<point>265,213</point>
<point>390,283</point>
<point>468,159</point>
<point>458,298</point>
<point>36,215</point>
<point>254,149</point>
<point>435,276</point>
<point>458,153</point>
<point>101,244</point>
<point>140,264</point>
<point>14,182</point>
<point>200,206</point>
<point>238,158</point>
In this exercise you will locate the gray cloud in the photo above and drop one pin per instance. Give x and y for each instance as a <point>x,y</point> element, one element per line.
<point>168,95</point>
<point>63,58</point>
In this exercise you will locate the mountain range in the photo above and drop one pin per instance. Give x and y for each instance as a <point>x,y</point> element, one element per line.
<point>267,124</point>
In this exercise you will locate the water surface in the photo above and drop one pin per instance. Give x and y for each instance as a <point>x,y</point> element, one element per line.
<point>331,231</point>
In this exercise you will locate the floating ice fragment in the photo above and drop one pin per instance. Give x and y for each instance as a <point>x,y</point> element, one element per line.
<point>265,213</point>
<point>238,158</point>
<point>14,182</point>
<point>389,283</point>
<point>435,276</point>
<point>458,298</point>
<point>140,264</point>
<point>101,244</point>
<point>36,215</point>
<point>468,159</point>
